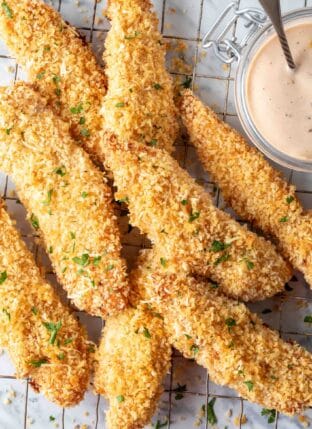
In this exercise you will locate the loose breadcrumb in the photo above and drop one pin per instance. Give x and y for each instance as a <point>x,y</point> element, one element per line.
<point>249,184</point>
<point>66,200</point>
<point>59,61</point>
<point>132,361</point>
<point>193,235</point>
<point>139,102</point>
<point>226,338</point>
<point>45,342</point>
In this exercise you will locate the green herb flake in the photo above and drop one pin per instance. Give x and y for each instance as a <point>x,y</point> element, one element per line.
<point>289,200</point>
<point>211,415</point>
<point>179,391</point>
<point>40,75</point>
<point>223,258</point>
<point>56,79</point>
<point>34,222</point>
<point>68,341</point>
<point>60,171</point>
<point>188,336</point>
<point>249,384</point>
<point>163,262</point>
<point>283,219</point>
<point>49,197</point>
<point>34,310</point>
<point>85,132</point>
<point>271,414</point>
<point>61,356</point>
<point>123,200</point>
<point>38,363</point>
<point>120,104</point>
<point>91,348</point>
<point>308,319</point>
<point>195,349</point>
<point>52,418</point>
<point>54,329</point>
<point>159,424</point>
<point>96,260</point>
<point>8,131</point>
<point>3,277</point>
<point>213,285</point>
<point>230,323</point>
<point>72,235</point>
<point>153,143</point>
<point>84,194</point>
<point>58,92</point>
<point>7,10</point>
<point>120,399</point>
<point>187,82</point>
<point>8,315</point>
<point>250,265</point>
<point>47,48</point>
<point>131,37</point>
<point>84,260</point>
<point>157,86</point>
<point>76,109</point>
<point>146,333</point>
<point>82,120</point>
<point>193,216</point>
<point>110,267</point>
<point>184,202</point>
<point>219,246</point>
<point>50,250</point>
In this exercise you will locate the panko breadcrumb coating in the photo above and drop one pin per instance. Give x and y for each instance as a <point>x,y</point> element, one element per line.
<point>60,63</point>
<point>139,102</point>
<point>45,342</point>
<point>249,184</point>
<point>178,215</point>
<point>226,338</point>
<point>132,361</point>
<point>66,199</point>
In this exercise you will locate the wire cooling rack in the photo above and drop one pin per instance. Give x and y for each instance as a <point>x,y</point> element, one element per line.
<point>183,23</point>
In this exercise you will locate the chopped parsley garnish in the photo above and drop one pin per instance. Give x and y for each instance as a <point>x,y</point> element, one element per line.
<point>211,415</point>
<point>34,310</point>
<point>8,131</point>
<point>136,34</point>
<point>34,221</point>
<point>85,132</point>
<point>193,216</point>
<point>91,348</point>
<point>54,329</point>
<point>223,258</point>
<point>146,333</point>
<point>72,235</point>
<point>52,419</point>
<point>159,425</point>
<point>56,79</point>
<point>58,92</point>
<point>120,104</point>
<point>97,260</point>
<point>120,399</point>
<point>123,200</point>
<point>188,336</point>
<point>271,414</point>
<point>179,391</point>
<point>250,265</point>
<point>213,285</point>
<point>187,82</point>
<point>61,356</point>
<point>38,363</point>
<point>230,322</point>
<point>289,200</point>
<point>308,319</point>
<point>219,246</point>
<point>157,86</point>
<point>50,250</point>
<point>195,349</point>
<point>68,341</point>
<point>84,194</point>
<point>84,260</point>
<point>77,109</point>
<point>249,384</point>
<point>82,120</point>
<point>49,196</point>
<point>163,262</point>
<point>283,219</point>
<point>7,9</point>
<point>47,48</point>
<point>110,267</point>
<point>153,143</point>
<point>40,75</point>
<point>3,277</point>
<point>184,202</point>
<point>8,315</point>
<point>61,171</point>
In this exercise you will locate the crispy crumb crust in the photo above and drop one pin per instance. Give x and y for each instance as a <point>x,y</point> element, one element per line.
<point>60,63</point>
<point>256,191</point>
<point>65,196</point>
<point>27,302</point>
<point>226,338</point>
<point>132,361</point>
<point>179,216</point>
<point>139,102</point>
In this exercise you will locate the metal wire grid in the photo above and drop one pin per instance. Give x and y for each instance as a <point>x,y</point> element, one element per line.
<point>185,151</point>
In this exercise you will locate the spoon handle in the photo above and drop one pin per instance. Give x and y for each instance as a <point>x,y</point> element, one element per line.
<point>273,9</point>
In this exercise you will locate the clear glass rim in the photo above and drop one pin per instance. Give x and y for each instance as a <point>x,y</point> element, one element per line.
<point>241,104</point>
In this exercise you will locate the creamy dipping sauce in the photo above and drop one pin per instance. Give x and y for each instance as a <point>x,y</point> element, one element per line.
<point>279,100</point>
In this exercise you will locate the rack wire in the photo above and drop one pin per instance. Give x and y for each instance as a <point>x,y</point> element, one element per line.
<point>275,312</point>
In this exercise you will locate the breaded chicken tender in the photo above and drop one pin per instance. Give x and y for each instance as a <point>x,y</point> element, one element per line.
<point>139,102</point>
<point>132,361</point>
<point>60,63</point>
<point>45,342</point>
<point>226,338</point>
<point>249,184</point>
<point>66,200</point>
<point>190,232</point>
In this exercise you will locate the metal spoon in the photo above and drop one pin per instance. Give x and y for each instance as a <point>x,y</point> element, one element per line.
<point>273,10</point>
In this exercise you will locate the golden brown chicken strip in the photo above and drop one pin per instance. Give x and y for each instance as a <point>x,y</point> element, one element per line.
<point>226,338</point>
<point>256,191</point>
<point>66,198</point>
<point>139,102</point>
<point>43,338</point>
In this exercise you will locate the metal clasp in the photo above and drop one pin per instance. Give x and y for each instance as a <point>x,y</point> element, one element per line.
<point>229,49</point>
